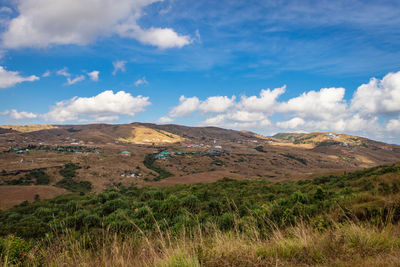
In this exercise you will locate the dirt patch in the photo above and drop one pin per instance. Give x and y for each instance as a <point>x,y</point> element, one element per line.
<point>14,194</point>
<point>307,146</point>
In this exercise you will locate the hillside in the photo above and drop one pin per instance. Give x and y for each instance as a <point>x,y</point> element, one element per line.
<point>167,195</point>
<point>335,220</point>
<point>176,155</point>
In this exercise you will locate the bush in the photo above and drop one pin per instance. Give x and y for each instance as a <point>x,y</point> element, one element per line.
<point>15,248</point>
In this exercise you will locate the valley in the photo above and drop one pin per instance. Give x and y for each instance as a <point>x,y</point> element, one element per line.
<point>114,155</point>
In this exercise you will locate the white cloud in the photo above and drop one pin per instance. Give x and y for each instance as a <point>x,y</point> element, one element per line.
<point>217,104</point>
<point>141,81</point>
<point>215,121</point>
<point>294,123</point>
<point>165,119</point>
<point>266,102</point>
<point>47,73</point>
<point>393,126</point>
<point>94,75</point>
<point>119,65</point>
<point>186,106</point>
<point>75,80</point>
<point>61,22</point>
<point>11,78</point>
<point>378,96</point>
<point>163,38</point>
<point>63,72</point>
<point>19,115</point>
<point>238,119</point>
<point>324,104</point>
<point>103,106</point>
<point>246,116</point>
<point>70,81</point>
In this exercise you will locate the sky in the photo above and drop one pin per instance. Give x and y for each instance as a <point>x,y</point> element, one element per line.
<point>264,66</point>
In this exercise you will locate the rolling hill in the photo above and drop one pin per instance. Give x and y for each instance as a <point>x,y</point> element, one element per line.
<point>190,154</point>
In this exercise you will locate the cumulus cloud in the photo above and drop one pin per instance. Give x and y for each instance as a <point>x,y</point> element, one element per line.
<point>266,102</point>
<point>102,107</point>
<point>165,119</point>
<point>378,96</point>
<point>351,123</point>
<point>217,104</point>
<point>322,110</point>
<point>48,22</point>
<point>94,75</point>
<point>323,104</point>
<point>19,115</point>
<point>141,81</point>
<point>393,126</point>
<point>163,38</point>
<point>238,120</point>
<point>119,65</point>
<point>186,106</point>
<point>294,123</point>
<point>11,78</point>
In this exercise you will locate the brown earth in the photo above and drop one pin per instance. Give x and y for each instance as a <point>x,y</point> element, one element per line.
<point>12,195</point>
<point>282,157</point>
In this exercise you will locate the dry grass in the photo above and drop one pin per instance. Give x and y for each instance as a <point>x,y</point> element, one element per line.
<point>342,245</point>
<point>145,135</point>
<point>29,128</point>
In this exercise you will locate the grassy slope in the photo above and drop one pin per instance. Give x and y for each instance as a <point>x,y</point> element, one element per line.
<point>343,220</point>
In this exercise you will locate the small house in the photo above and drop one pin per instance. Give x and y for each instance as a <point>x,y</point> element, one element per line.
<point>126,153</point>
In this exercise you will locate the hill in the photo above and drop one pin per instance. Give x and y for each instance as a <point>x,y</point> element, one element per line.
<point>174,154</point>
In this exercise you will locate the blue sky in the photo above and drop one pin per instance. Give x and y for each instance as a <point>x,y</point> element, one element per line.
<point>330,65</point>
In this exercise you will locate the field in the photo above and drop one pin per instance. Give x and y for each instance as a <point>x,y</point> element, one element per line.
<point>145,135</point>
<point>13,195</point>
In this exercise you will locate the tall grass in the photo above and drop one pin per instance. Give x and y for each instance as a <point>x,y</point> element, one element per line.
<point>350,244</point>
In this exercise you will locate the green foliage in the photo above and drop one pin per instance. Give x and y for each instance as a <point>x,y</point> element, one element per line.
<point>226,203</point>
<point>14,249</point>
<point>149,162</point>
<point>69,172</point>
<point>37,177</point>
<point>291,156</point>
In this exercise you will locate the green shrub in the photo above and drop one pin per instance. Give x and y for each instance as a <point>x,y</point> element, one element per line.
<point>15,249</point>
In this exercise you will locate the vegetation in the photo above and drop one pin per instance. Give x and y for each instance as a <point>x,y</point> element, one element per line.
<point>36,177</point>
<point>149,162</point>
<point>164,133</point>
<point>291,156</point>
<point>69,172</point>
<point>349,219</point>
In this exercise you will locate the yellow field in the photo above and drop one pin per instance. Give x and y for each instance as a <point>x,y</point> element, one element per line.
<point>29,128</point>
<point>144,135</point>
<point>310,141</point>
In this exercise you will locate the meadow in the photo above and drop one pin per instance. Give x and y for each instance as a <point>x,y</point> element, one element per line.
<point>348,219</point>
